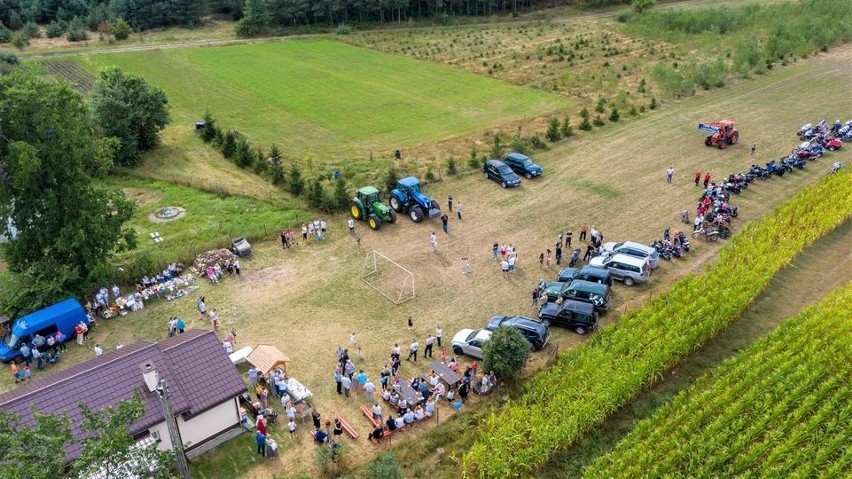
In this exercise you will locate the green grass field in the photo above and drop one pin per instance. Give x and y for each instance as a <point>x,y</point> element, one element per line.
<point>327,97</point>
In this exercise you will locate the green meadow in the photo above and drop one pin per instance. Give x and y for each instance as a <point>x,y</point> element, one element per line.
<point>329,98</point>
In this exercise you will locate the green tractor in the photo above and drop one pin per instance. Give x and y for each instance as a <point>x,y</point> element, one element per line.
<point>368,206</point>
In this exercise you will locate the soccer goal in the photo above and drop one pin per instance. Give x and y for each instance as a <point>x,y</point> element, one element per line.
<point>387,277</point>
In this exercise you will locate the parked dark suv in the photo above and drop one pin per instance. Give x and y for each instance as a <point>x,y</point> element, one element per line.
<point>522,165</point>
<point>536,332</point>
<point>576,315</point>
<point>501,173</point>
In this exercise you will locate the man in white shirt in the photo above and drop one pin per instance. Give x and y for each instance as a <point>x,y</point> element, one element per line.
<point>412,351</point>
<point>370,390</point>
<point>99,351</point>
<point>438,334</point>
<point>227,345</point>
<point>377,412</point>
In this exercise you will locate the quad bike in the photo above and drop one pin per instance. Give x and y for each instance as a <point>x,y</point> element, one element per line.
<point>712,235</point>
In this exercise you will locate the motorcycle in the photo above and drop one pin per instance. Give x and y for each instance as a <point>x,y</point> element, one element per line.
<point>575,256</point>
<point>662,249</point>
<point>712,235</point>
<point>773,167</point>
<point>683,240</point>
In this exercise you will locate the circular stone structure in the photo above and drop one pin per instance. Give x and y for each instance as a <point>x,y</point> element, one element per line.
<point>167,213</point>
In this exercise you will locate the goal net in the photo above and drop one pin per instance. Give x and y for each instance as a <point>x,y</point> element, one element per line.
<point>387,277</point>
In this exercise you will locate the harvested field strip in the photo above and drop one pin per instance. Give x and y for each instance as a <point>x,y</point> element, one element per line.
<point>781,408</point>
<point>588,384</point>
<point>72,72</point>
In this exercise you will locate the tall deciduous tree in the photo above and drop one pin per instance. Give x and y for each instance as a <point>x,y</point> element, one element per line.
<point>506,352</point>
<point>129,108</point>
<point>61,228</point>
<point>34,452</point>
<point>111,451</point>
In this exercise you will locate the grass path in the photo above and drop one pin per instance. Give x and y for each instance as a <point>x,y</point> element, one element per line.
<point>822,268</point>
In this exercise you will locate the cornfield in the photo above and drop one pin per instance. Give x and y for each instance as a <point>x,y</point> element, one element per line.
<point>782,408</point>
<point>588,384</point>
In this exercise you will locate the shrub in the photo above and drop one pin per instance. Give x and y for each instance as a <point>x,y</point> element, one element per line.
<point>15,22</point>
<point>229,144</point>
<point>614,116</point>
<point>296,185</point>
<point>473,160</point>
<point>5,34</point>
<point>553,134</point>
<point>55,29</point>
<point>653,105</point>
<point>506,352</point>
<point>276,165</point>
<point>344,29</point>
<point>633,111</point>
<point>243,154</point>
<point>430,175</point>
<point>391,179</point>
<point>341,194</point>
<point>537,142</point>
<point>640,6</point>
<point>20,41</point>
<point>601,106</point>
<point>386,466</point>
<point>76,31</point>
<point>711,75</point>
<point>585,125</point>
<point>31,30</point>
<point>672,81</point>
<point>598,121</point>
<point>520,145</point>
<point>315,193</point>
<point>496,147</point>
<point>624,16</point>
<point>209,131</point>
<point>452,167</point>
<point>121,30</point>
<point>584,113</point>
<point>9,57</point>
<point>566,129</point>
<point>259,163</point>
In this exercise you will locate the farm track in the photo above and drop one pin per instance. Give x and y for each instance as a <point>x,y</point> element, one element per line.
<point>822,268</point>
<point>168,45</point>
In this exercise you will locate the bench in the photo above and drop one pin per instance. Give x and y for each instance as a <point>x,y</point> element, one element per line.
<point>369,413</point>
<point>387,433</point>
<point>346,427</point>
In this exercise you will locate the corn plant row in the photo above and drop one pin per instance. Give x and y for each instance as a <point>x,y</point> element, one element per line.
<point>588,384</point>
<point>781,408</point>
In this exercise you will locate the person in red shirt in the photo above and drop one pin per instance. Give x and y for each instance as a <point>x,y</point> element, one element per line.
<point>706,179</point>
<point>697,177</point>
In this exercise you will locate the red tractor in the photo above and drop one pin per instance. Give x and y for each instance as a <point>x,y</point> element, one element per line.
<point>722,133</point>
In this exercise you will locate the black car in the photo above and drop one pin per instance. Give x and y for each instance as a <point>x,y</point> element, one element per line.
<point>554,290</point>
<point>501,173</point>
<point>536,332</point>
<point>522,165</point>
<point>576,315</point>
<point>595,275</point>
<point>566,275</point>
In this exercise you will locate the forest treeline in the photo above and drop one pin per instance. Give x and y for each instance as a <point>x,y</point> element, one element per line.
<point>147,14</point>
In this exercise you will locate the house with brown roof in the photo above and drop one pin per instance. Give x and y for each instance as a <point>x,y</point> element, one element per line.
<point>203,385</point>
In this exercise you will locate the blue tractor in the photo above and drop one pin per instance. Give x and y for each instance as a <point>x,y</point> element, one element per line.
<point>407,198</point>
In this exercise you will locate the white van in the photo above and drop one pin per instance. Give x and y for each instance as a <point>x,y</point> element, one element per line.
<point>623,267</point>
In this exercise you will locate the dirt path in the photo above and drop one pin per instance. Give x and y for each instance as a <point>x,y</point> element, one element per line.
<point>825,266</point>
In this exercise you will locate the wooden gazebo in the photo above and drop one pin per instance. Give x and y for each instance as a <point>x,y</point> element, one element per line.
<point>266,357</point>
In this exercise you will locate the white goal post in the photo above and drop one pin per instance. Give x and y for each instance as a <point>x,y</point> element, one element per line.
<point>387,277</point>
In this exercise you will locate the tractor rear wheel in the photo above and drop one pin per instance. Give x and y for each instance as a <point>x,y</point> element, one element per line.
<point>374,222</point>
<point>708,140</point>
<point>723,143</point>
<point>391,217</point>
<point>416,214</point>
<point>734,137</point>
<point>395,204</point>
<point>355,210</point>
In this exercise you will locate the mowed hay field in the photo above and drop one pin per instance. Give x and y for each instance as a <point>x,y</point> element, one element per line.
<point>308,300</point>
<point>326,97</point>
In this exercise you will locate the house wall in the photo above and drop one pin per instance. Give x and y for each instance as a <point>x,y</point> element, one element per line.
<point>165,441</point>
<point>209,423</point>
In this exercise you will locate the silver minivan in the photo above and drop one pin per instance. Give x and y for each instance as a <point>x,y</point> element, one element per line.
<point>629,269</point>
<point>633,248</point>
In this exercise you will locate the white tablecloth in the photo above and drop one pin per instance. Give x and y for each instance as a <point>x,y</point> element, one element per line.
<point>297,391</point>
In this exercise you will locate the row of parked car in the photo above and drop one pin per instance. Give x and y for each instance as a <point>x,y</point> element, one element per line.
<point>575,300</point>
<point>509,171</point>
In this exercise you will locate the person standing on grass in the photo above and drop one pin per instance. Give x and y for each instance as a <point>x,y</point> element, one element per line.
<point>535,295</point>
<point>568,236</point>
<point>450,203</point>
<point>370,391</point>
<point>410,327</point>
<point>495,250</point>
<point>351,225</point>
<point>338,379</point>
<point>352,340</point>
<point>261,443</point>
<point>753,149</point>
<point>583,229</point>
<point>541,260</point>
<point>439,333</point>
<point>512,259</point>
<point>697,177</point>
<point>459,209</point>
<point>504,266</point>
<point>669,174</point>
<point>706,179</point>
<point>558,253</point>
<point>429,342</point>
<point>347,385</point>
<point>283,239</point>
<point>214,318</point>
<point>547,255</point>
<point>444,221</point>
<point>412,350</point>
<point>433,240</point>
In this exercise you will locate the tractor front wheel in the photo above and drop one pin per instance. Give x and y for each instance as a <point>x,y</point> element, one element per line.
<point>395,204</point>
<point>374,222</point>
<point>416,214</point>
<point>734,137</point>
<point>355,209</point>
<point>708,140</point>
<point>723,143</point>
<point>391,217</point>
